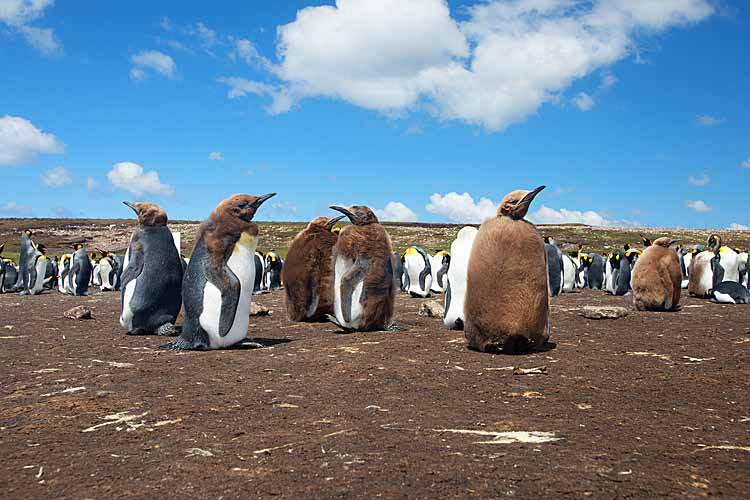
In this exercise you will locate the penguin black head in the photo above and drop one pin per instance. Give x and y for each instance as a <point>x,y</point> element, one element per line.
<point>242,206</point>
<point>76,246</point>
<point>714,242</point>
<point>549,239</point>
<point>336,229</point>
<point>694,252</point>
<point>626,246</point>
<point>516,203</point>
<point>28,232</point>
<point>646,241</point>
<point>41,248</point>
<point>360,215</point>
<point>149,214</point>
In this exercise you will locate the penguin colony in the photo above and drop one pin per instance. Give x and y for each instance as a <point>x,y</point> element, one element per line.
<point>496,280</point>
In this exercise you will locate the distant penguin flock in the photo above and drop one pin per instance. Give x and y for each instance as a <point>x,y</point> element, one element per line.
<point>497,281</point>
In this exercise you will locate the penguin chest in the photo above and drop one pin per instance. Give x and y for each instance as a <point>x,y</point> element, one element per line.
<point>242,264</point>
<point>104,270</point>
<point>341,267</point>
<point>41,269</point>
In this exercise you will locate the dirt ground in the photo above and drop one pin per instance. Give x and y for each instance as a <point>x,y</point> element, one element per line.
<point>653,405</point>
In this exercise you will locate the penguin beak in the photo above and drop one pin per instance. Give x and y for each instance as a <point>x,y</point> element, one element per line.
<point>346,212</point>
<point>260,200</point>
<point>523,206</point>
<point>332,222</point>
<point>131,206</point>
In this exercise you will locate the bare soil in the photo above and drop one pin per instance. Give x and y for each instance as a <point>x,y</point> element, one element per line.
<point>653,405</point>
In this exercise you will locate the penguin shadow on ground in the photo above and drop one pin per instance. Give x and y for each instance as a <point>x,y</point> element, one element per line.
<point>549,346</point>
<point>259,343</point>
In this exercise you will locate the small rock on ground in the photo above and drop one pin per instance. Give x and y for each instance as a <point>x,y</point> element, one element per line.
<point>599,312</point>
<point>432,309</point>
<point>78,312</point>
<point>259,310</point>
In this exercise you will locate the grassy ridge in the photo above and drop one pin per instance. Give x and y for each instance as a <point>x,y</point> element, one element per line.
<point>114,234</point>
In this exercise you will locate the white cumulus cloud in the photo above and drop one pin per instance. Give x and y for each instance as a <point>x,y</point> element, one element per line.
<point>583,101</point>
<point>710,121</point>
<point>395,211</point>
<point>699,206</point>
<point>215,156</point>
<point>57,177</point>
<point>153,60</point>
<point>738,227</point>
<point>461,208</point>
<point>496,66</point>
<point>22,142</point>
<point>14,209</point>
<point>745,163</point>
<point>17,14</point>
<point>699,181</point>
<point>132,178</point>
<point>547,215</point>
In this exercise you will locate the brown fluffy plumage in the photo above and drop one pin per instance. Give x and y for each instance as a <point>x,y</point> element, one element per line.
<point>367,238</point>
<point>227,222</point>
<point>506,303</point>
<point>149,214</point>
<point>657,278</point>
<point>308,272</point>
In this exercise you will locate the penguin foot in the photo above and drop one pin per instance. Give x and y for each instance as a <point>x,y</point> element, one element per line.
<point>251,344</point>
<point>180,344</point>
<point>395,328</point>
<point>335,321</point>
<point>166,330</point>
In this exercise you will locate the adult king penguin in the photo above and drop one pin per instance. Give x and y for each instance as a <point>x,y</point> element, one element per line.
<point>219,280</point>
<point>418,272</point>
<point>729,292</point>
<point>26,258</point>
<point>37,271</point>
<point>151,276</point>
<point>455,293</point>
<point>554,265</point>
<point>79,275</point>
<point>63,269</point>
<point>274,266</point>
<point>364,283</point>
<point>439,265</point>
<point>507,297</point>
<point>657,277</point>
<point>308,272</point>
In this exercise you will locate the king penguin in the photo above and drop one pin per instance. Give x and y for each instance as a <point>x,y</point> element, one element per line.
<point>554,266</point>
<point>308,272</point>
<point>3,266</point>
<point>260,272</point>
<point>507,295</point>
<point>218,287</point>
<point>38,271</point>
<point>79,275</point>
<point>439,265</point>
<point>657,278</point>
<point>26,259</point>
<point>274,266</point>
<point>419,272</point>
<point>63,269</point>
<point>570,273</point>
<point>11,276</point>
<point>151,276</point>
<point>364,283</point>
<point>455,293</point>
<point>729,292</point>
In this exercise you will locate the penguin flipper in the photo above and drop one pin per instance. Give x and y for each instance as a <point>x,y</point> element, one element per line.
<point>349,282</point>
<point>229,285</point>
<point>135,265</point>
<point>423,277</point>
<point>441,274</point>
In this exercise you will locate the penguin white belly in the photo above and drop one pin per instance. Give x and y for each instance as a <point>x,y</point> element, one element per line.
<point>242,264</point>
<point>414,265</point>
<point>41,268</point>
<point>608,278</point>
<point>60,281</point>
<point>96,276</point>
<point>723,298</point>
<point>341,267</point>
<point>126,318</point>
<point>104,269</point>
<point>731,264</point>
<point>436,263</point>
<point>569,273</point>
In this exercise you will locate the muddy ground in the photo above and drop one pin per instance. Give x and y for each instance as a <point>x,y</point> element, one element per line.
<point>653,405</point>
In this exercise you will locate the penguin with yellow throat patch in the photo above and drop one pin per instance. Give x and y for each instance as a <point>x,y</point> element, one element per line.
<point>218,285</point>
<point>507,305</point>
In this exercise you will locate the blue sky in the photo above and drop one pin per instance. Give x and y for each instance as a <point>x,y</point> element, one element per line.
<point>630,112</point>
